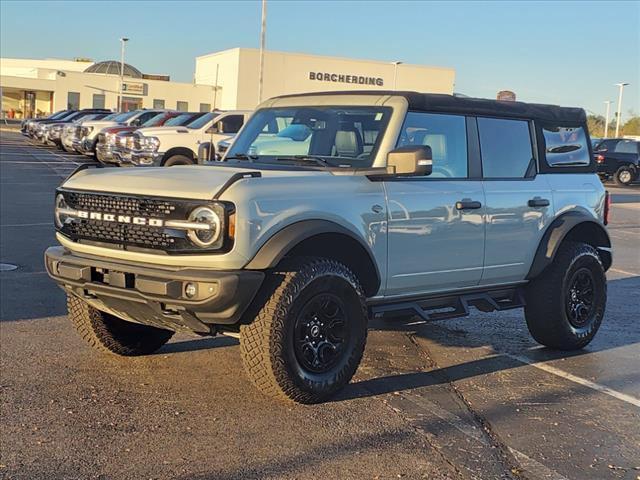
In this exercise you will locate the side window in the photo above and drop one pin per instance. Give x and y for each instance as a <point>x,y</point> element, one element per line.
<point>565,146</point>
<point>232,123</point>
<point>627,146</point>
<point>606,146</point>
<point>146,116</point>
<point>447,137</point>
<point>506,147</point>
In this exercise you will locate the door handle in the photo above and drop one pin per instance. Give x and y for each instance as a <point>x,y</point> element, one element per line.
<point>538,202</point>
<point>466,204</point>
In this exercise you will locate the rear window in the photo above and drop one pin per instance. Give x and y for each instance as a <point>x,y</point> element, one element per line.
<point>566,146</point>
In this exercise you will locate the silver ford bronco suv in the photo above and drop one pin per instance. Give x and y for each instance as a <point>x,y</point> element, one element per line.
<point>333,208</point>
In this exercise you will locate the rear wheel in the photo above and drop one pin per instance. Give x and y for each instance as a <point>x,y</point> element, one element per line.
<point>308,335</point>
<point>178,160</point>
<point>108,333</point>
<point>625,175</point>
<point>566,303</point>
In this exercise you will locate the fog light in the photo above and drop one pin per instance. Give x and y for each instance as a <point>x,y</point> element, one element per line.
<point>191,290</point>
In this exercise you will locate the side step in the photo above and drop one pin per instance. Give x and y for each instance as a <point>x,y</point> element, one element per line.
<point>452,306</point>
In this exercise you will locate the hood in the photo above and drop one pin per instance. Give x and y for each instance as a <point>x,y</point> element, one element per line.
<point>152,131</point>
<point>118,129</point>
<point>195,182</point>
<point>98,123</point>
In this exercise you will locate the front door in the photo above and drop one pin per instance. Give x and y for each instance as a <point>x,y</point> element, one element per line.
<point>436,223</point>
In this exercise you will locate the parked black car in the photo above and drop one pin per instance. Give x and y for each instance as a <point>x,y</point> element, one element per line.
<point>618,158</point>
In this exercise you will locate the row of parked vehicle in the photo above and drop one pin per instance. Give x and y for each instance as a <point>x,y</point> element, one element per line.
<point>166,137</point>
<point>148,137</point>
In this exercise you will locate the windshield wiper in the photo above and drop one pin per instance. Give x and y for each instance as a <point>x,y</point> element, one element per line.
<point>242,156</point>
<point>307,158</point>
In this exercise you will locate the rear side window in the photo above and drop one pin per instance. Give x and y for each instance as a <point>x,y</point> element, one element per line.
<point>626,146</point>
<point>566,146</point>
<point>506,148</point>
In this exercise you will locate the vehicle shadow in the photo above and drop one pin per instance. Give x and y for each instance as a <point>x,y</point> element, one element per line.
<point>195,344</point>
<point>619,329</point>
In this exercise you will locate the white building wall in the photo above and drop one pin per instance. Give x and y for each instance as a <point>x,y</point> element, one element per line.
<point>286,73</point>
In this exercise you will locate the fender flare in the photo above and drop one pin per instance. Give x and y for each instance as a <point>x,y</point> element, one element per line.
<point>557,232</point>
<point>285,240</point>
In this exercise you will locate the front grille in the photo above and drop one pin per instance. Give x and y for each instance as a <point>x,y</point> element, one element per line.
<point>124,235</point>
<point>137,235</point>
<point>124,205</point>
<point>102,138</point>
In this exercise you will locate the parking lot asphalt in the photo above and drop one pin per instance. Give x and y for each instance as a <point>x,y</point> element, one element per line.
<point>461,398</point>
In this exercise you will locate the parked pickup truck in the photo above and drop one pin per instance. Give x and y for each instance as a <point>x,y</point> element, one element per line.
<point>86,143</point>
<point>618,158</point>
<point>398,203</point>
<point>179,145</point>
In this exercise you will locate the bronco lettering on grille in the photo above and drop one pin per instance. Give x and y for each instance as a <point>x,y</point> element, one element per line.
<point>111,217</point>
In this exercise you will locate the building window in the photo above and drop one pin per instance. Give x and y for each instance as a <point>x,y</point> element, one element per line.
<point>158,104</point>
<point>73,101</point>
<point>205,107</point>
<point>505,146</point>
<point>182,106</point>
<point>98,100</point>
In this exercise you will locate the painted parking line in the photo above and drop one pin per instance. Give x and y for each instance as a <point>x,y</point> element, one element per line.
<point>624,272</point>
<point>575,379</point>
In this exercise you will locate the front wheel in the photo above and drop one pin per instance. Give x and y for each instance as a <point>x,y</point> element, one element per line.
<point>565,304</point>
<point>309,331</point>
<point>111,334</point>
<point>625,175</point>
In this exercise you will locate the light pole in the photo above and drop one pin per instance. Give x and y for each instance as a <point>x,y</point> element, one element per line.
<point>263,33</point>
<point>606,118</point>
<point>621,87</point>
<point>123,40</point>
<point>395,72</point>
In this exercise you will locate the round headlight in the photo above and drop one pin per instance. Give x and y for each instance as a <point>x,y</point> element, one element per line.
<point>205,237</point>
<point>60,216</point>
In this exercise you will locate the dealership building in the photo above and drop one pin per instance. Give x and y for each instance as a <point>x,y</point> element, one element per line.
<point>225,80</point>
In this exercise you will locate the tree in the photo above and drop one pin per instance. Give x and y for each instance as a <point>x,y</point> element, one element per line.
<point>596,125</point>
<point>632,126</point>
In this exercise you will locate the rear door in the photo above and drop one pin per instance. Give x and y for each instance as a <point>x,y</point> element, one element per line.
<point>518,200</point>
<point>436,222</point>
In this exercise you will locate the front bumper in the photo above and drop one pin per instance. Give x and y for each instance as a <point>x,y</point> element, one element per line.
<point>154,295</point>
<point>145,158</point>
<point>104,152</point>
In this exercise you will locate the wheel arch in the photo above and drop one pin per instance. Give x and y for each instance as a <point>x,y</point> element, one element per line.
<point>571,226</point>
<point>321,238</point>
<point>178,151</point>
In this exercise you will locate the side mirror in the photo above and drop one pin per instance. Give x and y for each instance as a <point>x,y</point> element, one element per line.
<point>413,160</point>
<point>215,128</point>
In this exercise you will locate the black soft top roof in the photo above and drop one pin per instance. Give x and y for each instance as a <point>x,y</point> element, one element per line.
<point>436,102</point>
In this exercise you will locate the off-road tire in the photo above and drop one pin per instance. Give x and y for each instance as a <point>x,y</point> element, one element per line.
<point>111,334</point>
<point>178,160</point>
<point>625,176</point>
<point>266,344</point>
<point>548,295</point>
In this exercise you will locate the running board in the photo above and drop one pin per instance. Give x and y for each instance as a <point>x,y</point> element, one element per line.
<point>452,306</point>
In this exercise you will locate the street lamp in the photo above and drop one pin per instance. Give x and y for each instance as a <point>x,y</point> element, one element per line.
<point>395,72</point>
<point>621,87</point>
<point>606,118</point>
<point>123,40</point>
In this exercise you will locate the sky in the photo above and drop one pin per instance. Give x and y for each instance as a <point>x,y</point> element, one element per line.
<point>568,53</point>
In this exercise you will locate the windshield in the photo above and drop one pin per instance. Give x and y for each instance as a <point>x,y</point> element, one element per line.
<point>182,119</point>
<point>111,116</point>
<point>123,117</point>
<point>203,120</point>
<point>341,136</point>
<point>153,121</point>
<point>57,115</point>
